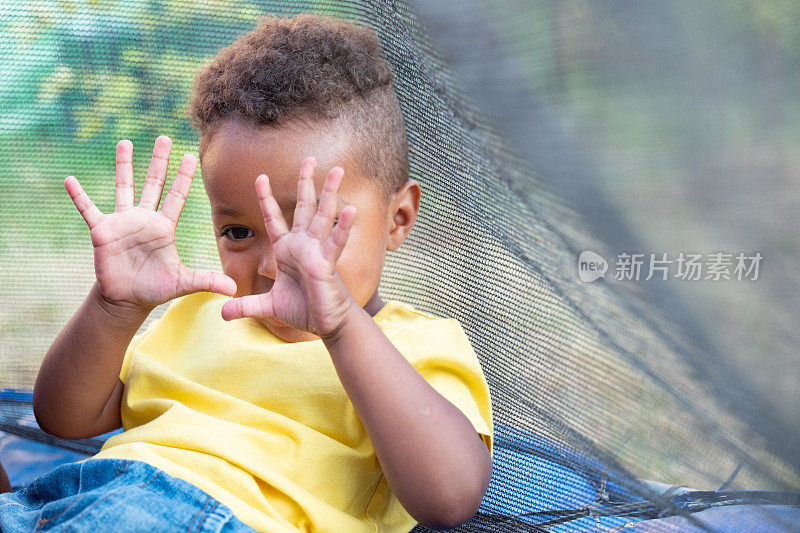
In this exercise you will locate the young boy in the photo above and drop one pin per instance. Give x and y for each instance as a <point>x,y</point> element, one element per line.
<point>305,402</point>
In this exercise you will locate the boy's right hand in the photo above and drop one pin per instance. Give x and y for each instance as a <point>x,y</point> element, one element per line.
<point>135,259</point>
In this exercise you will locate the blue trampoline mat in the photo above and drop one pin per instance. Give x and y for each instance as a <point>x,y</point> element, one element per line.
<point>530,473</point>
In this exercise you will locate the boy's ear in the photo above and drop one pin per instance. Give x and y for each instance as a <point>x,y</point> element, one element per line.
<point>404,208</point>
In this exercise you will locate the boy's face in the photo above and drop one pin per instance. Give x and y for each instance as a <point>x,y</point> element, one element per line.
<point>236,153</point>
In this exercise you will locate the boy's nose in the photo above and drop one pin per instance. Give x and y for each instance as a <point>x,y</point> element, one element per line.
<point>267,266</point>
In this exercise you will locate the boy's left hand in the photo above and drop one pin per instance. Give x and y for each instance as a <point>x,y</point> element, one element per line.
<point>308,293</point>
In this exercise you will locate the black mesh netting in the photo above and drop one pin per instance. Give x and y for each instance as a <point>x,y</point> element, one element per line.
<point>593,367</point>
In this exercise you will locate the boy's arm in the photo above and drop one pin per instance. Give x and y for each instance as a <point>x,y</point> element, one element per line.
<point>432,457</point>
<point>78,392</point>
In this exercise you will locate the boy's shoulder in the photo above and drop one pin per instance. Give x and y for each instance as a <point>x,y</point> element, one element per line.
<point>400,320</point>
<point>399,313</point>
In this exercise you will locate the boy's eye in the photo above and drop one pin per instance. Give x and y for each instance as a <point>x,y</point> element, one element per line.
<point>237,233</point>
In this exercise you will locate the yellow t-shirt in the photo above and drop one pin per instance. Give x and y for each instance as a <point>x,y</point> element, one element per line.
<point>265,426</point>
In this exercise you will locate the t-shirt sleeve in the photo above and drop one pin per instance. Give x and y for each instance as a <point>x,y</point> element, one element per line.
<point>441,352</point>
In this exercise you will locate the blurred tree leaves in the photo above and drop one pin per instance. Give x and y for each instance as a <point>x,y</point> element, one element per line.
<point>79,76</point>
<point>102,71</point>
<point>105,70</point>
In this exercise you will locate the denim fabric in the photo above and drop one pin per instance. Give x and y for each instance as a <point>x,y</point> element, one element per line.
<point>114,495</point>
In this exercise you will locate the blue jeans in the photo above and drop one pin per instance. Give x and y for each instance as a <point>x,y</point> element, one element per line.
<point>114,495</point>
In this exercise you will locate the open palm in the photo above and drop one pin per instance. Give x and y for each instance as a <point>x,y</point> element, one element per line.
<point>135,259</point>
<point>308,293</point>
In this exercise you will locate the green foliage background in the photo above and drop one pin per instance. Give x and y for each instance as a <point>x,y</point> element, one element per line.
<point>76,78</point>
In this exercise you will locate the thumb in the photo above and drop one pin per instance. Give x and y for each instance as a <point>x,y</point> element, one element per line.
<point>205,280</point>
<point>255,305</point>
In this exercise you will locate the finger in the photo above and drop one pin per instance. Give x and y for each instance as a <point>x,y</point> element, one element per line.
<point>90,213</point>
<point>255,305</point>
<point>179,190</point>
<point>333,246</point>
<point>322,222</point>
<point>306,199</point>
<point>156,173</point>
<point>204,280</point>
<point>123,195</point>
<point>273,218</point>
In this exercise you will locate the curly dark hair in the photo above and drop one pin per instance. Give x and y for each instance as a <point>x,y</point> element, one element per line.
<point>309,68</point>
